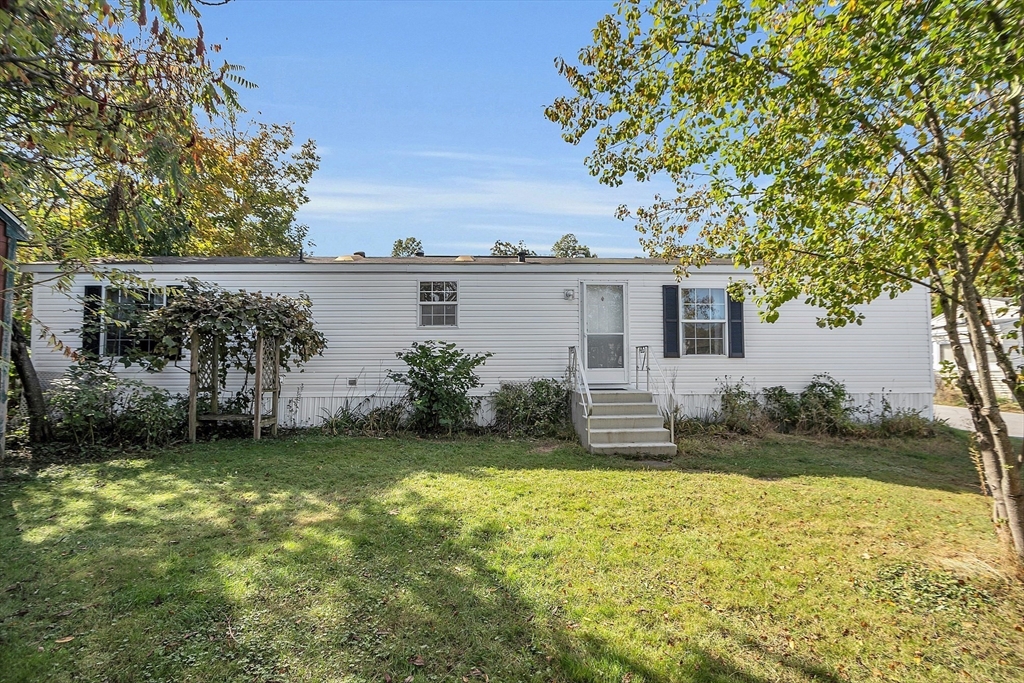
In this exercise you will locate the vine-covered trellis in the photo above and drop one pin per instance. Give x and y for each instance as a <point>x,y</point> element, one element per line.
<point>225,331</point>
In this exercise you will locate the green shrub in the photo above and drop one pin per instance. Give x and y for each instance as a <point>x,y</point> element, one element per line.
<point>826,408</point>
<point>823,407</point>
<point>741,409</point>
<point>439,378</point>
<point>781,407</point>
<point>91,406</point>
<point>538,408</point>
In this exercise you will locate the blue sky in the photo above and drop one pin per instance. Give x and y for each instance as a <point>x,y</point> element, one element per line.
<point>429,120</point>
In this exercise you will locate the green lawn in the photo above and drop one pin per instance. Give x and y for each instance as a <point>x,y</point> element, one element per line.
<point>324,559</point>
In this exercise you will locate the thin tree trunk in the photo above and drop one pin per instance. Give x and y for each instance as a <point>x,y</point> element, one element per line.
<point>983,439</point>
<point>1012,484</point>
<point>39,421</point>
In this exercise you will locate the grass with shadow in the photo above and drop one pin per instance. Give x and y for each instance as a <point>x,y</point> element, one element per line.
<point>319,559</point>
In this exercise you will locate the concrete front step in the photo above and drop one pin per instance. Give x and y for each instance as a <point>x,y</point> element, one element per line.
<point>623,422</point>
<point>641,435</point>
<point>636,448</point>
<point>623,409</point>
<point>626,421</point>
<point>621,396</point>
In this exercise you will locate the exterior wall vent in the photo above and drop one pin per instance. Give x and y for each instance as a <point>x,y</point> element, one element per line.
<point>464,259</point>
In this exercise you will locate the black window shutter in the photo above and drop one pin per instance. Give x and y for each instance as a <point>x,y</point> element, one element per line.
<point>92,303</point>
<point>670,314</point>
<point>735,328</point>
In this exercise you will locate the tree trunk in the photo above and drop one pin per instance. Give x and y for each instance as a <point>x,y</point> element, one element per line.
<point>1012,484</point>
<point>39,421</point>
<point>983,439</point>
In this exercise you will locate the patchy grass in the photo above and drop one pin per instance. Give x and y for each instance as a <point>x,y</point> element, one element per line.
<point>322,559</point>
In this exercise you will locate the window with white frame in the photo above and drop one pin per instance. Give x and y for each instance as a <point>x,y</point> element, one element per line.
<point>703,319</point>
<point>120,312</point>
<point>439,303</point>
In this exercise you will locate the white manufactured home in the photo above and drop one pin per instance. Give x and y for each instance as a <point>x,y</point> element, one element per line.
<point>627,325</point>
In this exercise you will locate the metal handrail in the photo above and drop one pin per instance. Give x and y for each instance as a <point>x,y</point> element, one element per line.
<point>578,376</point>
<point>644,360</point>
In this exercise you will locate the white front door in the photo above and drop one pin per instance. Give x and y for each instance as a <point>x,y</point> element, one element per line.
<point>604,332</point>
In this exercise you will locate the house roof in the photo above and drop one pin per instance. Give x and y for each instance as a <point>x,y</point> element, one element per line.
<point>15,228</point>
<point>356,260</point>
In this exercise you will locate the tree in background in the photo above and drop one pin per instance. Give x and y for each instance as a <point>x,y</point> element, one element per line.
<point>410,246</point>
<point>239,198</point>
<point>841,151</point>
<point>502,248</point>
<point>246,193</point>
<point>568,246</point>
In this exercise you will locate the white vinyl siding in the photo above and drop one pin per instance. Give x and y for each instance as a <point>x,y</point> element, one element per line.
<point>519,312</point>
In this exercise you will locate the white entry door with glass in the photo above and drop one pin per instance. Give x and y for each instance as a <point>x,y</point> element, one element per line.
<point>604,332</point>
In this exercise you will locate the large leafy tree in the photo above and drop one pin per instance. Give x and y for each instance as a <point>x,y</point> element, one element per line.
<point>106,144</point>
<point>102,100</point>
<point>246,192</point>
<point>842,151</point>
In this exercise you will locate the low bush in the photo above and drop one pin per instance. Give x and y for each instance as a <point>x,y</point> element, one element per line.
<point>439,378</point>
<point>741,409</point>
<point>91,406</point>
<point>824,407</point>
<point>901,422</point>
<point>538,408</point>
<point>781,407</point>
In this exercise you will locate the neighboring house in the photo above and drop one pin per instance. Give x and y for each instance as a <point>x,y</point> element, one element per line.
<point>528,312</point>
<point>1001,313</point>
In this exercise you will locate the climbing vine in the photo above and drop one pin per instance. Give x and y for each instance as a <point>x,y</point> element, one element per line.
<point>235,318</point>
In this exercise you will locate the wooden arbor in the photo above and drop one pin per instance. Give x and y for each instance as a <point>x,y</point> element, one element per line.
<point>205,377</point>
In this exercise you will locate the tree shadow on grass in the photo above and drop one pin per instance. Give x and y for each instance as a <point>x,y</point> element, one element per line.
<point>941,462</point>
<point>290,566</point>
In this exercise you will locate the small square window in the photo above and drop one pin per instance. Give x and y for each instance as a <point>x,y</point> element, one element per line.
<point>439,302</point>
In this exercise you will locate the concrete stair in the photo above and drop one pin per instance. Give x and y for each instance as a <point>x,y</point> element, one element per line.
<point>623,422</point>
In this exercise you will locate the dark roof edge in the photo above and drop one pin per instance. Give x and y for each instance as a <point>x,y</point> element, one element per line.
<point>382,260</point>
<point>14,226</point>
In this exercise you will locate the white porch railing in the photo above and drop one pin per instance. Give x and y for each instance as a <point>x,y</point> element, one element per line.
<point>650,374</point>
<point>578,377</point>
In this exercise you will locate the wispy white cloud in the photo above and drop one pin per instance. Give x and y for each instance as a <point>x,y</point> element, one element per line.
<point>345,200</point>
<point>475,158</point>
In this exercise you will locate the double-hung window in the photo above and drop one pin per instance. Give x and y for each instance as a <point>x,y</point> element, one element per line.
<point>439,303</point>
<point>704,320</point>
<point>122,309</point>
